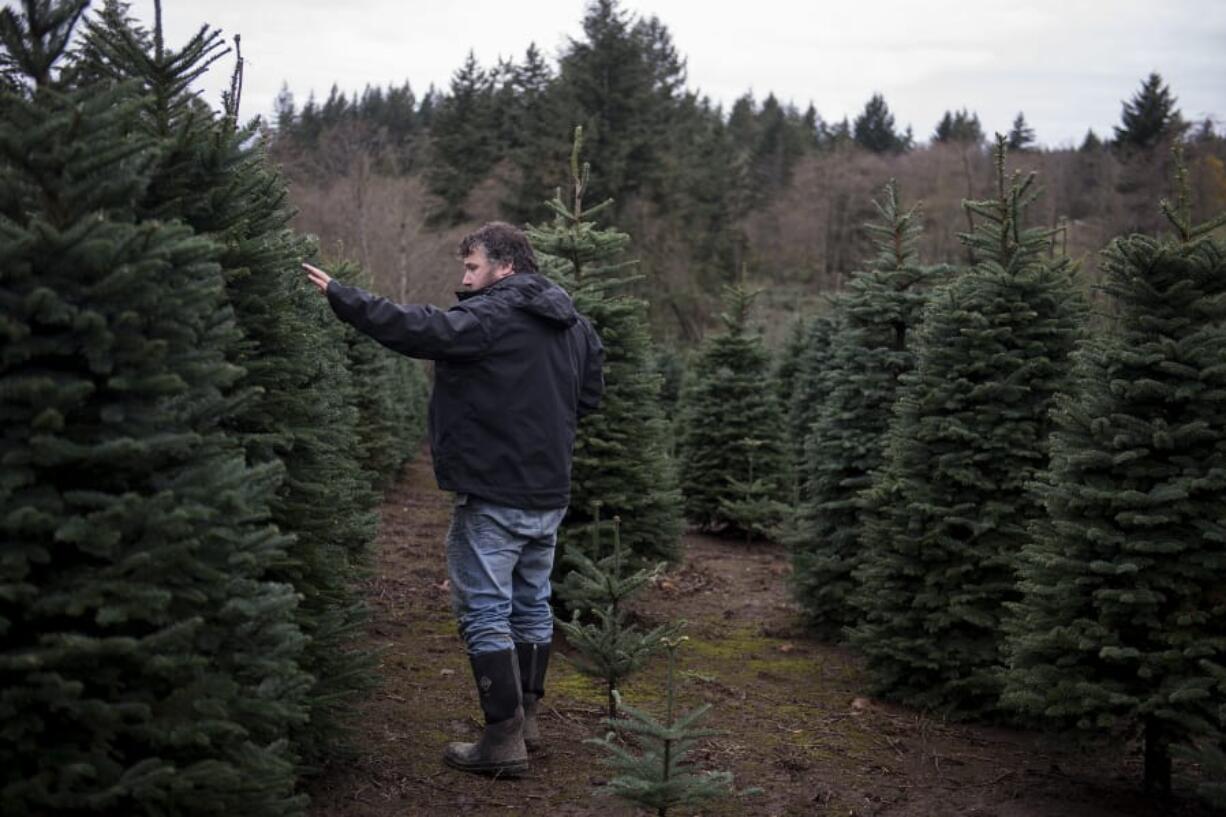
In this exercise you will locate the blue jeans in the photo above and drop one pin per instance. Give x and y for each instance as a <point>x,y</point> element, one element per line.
<point>498,560</point>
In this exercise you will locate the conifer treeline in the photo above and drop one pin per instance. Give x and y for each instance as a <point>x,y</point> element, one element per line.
<point>191,449</point>
<point>705,189</point>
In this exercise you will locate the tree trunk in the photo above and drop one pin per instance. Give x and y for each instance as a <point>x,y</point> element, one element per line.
<point>1157,758</point>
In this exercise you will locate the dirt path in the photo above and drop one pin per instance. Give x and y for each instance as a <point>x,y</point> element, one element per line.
<point>795,723</point>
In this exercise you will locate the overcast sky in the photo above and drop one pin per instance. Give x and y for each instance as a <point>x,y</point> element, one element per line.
<point>1067,64</point>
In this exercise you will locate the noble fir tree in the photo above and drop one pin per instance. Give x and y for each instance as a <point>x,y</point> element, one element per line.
<point>149,665</point>
<point>1121,629</point>
<point>621,448</point>
<point>787,366</point>
<point>670,365</point>
<point>609,648</point>
<point>729,416</point>
<point>881,309</point>
<point>662,776</point>
<point>750,504</point>
<point>809,387</point>
<point>802,404</point>
<point>950,506</point>
<point>214,175</point>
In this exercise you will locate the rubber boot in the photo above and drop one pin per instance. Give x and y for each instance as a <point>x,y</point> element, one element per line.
<point>500,751</point>
<point>533,662</point>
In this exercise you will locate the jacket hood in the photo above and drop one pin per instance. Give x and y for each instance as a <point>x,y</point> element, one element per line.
<point>535,294</point>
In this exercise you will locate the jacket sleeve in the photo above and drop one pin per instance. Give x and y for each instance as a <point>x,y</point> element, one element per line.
<point>591,387</point>
<point>416,330</point>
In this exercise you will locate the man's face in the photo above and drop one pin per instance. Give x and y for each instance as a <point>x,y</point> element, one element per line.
<point>480,272</point>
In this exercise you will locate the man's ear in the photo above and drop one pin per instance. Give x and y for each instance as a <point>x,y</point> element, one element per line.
<point>503,270</point>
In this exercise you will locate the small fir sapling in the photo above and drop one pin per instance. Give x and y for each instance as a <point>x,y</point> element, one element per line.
<point>662,776</point>
<point>608,647</point>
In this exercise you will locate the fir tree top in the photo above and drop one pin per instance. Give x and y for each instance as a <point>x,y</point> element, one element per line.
<point>738,302</point>
<point>999,240</point>
<point>574,235</point>
<point>36,41</point>
<point>596,583</point>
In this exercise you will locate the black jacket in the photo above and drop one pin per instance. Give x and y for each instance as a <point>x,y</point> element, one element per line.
<point>516,367</point>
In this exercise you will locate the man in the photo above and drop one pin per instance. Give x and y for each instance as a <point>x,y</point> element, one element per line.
<point>516,366</point>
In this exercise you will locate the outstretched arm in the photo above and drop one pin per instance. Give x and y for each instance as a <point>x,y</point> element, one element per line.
<point>416,330</point>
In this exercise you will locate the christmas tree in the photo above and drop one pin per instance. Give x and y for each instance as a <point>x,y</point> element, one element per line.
<point>621,448</point>
<point>662,776</point>
<point>148,663</point>
<point>595,590</point>
<point>750,504</point>
<point>970,432</point>
<point>786,379</point>
<point>880,311</point>
<point>810,387</point>
<point>728,414</point>
<point>670,366</point>
<point>1122,626</point>
<point>214,175</point>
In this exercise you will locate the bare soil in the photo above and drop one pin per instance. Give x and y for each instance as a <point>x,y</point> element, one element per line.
<point>795,720</point>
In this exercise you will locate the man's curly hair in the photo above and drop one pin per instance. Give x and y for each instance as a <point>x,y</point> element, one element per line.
<point>502,243</point>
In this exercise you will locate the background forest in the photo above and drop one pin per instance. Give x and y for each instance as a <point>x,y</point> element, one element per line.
<point>396,174</point>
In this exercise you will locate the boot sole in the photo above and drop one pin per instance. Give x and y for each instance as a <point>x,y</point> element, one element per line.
<point>516,768</point>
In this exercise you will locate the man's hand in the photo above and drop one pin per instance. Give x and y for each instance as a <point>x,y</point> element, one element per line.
<point>318,277</point>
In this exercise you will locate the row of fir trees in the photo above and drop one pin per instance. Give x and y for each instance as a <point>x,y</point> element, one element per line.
<point>192,447</point>
<point>1012,507</point>
<point>1010,504</point>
